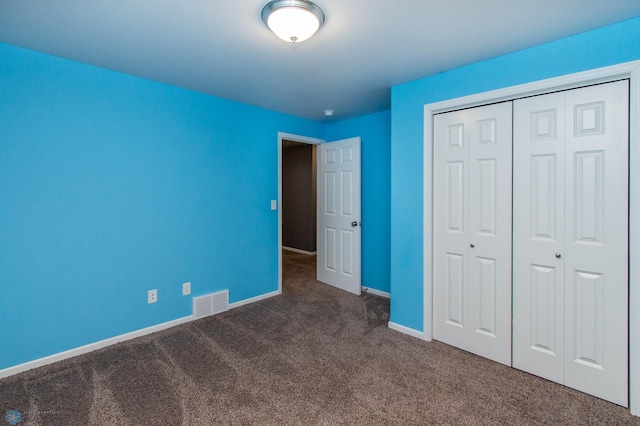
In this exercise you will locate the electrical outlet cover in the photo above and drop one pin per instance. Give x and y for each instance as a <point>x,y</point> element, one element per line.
<point>186,288</point>
<point>152,296</point>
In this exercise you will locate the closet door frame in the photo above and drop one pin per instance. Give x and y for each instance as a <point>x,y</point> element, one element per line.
<point>629,70</point>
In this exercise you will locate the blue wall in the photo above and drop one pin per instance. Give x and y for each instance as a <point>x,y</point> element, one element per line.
<point>111,185</point>
<point>605,46</point>
<point>375,133</point>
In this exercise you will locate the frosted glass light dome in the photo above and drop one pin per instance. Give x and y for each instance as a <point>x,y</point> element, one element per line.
<point>293,20</point>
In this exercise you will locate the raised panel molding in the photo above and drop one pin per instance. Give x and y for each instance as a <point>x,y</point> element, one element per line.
<point>589,194</point>
<point>330,185</point>
<point>486,270</point>
<point>347,154</point>
<point>455,293</point>
<point>346,244</point>
<point>455,205</point>
<point>487,191</point>
<point>589,319</point>
<point>589,119</point>
<point>347,191</point>
<point>330,157</point>
<point>330,257</point>
<point>543,309</point>
<point>543,197</point>
<point>455,136</point>
<point>486,131</point>
<point>543,125</point>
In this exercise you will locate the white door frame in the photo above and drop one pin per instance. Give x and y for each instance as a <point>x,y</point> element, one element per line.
<point>630,70</point>
<point>294,138</point>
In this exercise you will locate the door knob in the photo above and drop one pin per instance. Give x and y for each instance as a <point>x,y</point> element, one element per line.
<point>558,255</point>
<point>354,223</point>
<point>472,245</point>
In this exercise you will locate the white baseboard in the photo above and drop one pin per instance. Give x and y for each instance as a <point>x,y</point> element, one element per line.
<point>254,299</point>
<point>406,330</point>
<point>384,294</point>
<point>116,339</point>
<point>295,250</point>
<point>91,347</point>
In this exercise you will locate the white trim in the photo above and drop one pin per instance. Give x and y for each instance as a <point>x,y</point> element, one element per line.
<point>117,339</point>
<point>295,138</point>
<point>254,299</point>
<point>634,240</point>
<point>427,225</point>
<point>406,330</point>
<point>91,347</point>
<point>295,250</point>
<point>375,292</point>
<point>555,84</point>
<point>630,70</point>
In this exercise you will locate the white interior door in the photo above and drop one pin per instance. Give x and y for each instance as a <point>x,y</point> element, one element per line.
<point>472,230</point>
<point>339,215</point>
<point>570,320</point>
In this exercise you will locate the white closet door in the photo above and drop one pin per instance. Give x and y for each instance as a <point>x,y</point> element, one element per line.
<point>451,227</point>
<point>472,230</point>
<point>596,240</point>
<point>570,238</point>
<point>490,168</point>
<point>538,234</point>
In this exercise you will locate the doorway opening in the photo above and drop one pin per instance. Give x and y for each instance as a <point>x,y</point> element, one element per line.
<point>296,218</point>
<point>298,202</point>
<point>338,221</point>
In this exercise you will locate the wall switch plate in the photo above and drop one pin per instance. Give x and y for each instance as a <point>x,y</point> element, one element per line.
<point>274,204</point>
<point>152,296</point>
<point>186,288</point>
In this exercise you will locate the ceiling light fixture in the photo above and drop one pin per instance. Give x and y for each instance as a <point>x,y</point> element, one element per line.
<point>293,20</point>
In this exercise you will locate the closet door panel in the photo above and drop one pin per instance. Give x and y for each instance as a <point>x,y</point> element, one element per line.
<point>596,234</point>
<point>538,234</point>
<point>570,280</point>
<point>451,228</point>
<point>472,230</point>
<point>490,168</point>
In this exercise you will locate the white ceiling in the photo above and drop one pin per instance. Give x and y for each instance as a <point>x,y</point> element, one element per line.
<point>222,48</point>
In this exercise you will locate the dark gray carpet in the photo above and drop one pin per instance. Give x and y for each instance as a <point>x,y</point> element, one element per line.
<point>314,355</point>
